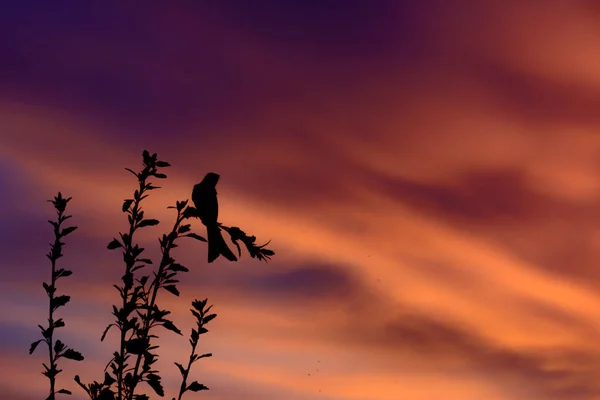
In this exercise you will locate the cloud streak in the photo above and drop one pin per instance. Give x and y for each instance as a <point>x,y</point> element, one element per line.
<point>427,174</point>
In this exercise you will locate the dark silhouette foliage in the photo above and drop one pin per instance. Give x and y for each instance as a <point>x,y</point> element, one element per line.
<point>138,314</point>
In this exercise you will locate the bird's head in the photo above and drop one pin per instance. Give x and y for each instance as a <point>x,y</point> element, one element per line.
<point>211,179</point>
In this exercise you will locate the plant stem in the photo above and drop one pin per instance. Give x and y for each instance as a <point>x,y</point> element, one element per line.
<point>51,324</point>
<point>55,253</point>
<point>187,371</point>
<point>129,265</point>
<point>155,286</point>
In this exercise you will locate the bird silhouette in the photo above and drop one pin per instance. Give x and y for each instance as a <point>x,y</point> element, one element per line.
<point>205,200</point>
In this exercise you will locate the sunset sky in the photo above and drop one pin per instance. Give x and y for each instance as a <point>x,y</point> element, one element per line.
<point>428,173</point>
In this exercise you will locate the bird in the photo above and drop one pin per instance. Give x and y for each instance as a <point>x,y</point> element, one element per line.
<point>205,200</point>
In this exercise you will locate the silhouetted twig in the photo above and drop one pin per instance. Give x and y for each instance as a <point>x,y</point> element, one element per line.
<point>201,319</point>
<point>255,251</point>
<point>56,350</point>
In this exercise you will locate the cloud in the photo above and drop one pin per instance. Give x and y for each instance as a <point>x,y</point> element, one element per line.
<point>428,178</point>
<point>551,374</point>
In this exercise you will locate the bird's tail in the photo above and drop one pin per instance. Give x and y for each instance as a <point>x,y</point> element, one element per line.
<point>217,245</point>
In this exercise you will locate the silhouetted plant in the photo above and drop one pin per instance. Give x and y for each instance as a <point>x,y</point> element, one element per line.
<point>201,319</point>
<point>138,312</point>
<point>56,349</point>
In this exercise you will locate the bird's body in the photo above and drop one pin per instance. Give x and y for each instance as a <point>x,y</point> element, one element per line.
<point>205,200</point>
<point>204,197</point>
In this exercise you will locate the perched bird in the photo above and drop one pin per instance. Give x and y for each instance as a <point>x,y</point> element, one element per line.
<point>205,200</point>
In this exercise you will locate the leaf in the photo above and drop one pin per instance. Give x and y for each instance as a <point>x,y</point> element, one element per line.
<point>144,260</point>
<point>62,273</point>
<point>126,238</point>
<point>162,164</point>
<point>49,289</point>
<point>238,247</point>
<point>199,304</point>
<point>184,228</point>
<point>133,269</point>
<point>115,244</point>
<point>195,387</point>
<point>178,267</point>
<point>194,336</point>
<point>59,323</point>
<point>59,301</point>
<point>208,318</point>
<point>128,379</point>
<point>127,205</point>
<point>64,391</point>
<point>130,170</point>
<point>66,231</point>
<point>72,355</point>
<point>171,289</point>
<point>181,369</point>
<point>148,222</point>
<point>137,251</point>
<point>196,236</point>
<point>108,380</point>
<point>58,346</point>
<point>45,333</point>
<point>106,331</point>
<point>172,236</point>
<point>119,290</point>
<point>154,382</point>
<point>34,345</point>
<point>51,372</point>
<point>149,359</point>
<point>78,380</point>
<point>171,326</point>
<point>181,205</point>
<point>139,216</point>
<point>160,176</point>
<point>136,346</point>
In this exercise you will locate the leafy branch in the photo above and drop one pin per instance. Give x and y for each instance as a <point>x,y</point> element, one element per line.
<point>138,313</point>
<point>56,349</point>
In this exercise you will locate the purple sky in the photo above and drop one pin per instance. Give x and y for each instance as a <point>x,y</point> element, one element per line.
<point>427,172</point>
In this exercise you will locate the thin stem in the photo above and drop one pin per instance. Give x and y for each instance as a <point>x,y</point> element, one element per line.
<point>155,285</point>
<point>186,372</point>
<point>128,249</point>
<point>50,325</point>
<point>56,247</point>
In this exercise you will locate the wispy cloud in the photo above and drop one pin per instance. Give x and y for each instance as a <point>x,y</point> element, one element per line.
<point>427,174</point>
